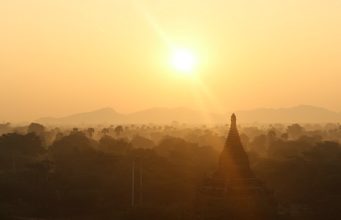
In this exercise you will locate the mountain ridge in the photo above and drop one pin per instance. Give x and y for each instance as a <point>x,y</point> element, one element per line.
<point>299,114</point>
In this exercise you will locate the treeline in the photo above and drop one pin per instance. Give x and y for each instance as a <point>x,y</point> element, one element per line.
<point>152,172</point>
<point>78,177</point>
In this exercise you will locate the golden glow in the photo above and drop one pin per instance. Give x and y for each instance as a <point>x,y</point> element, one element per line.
<point>183,61</point>
<point>128,55</point>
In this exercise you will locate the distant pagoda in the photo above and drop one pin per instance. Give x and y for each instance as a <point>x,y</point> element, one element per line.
<point>233,191</point>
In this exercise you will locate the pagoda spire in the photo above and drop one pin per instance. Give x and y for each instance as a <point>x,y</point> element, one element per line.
<point>233,192</point>
<point>233,138</point>
<point>234,162</point>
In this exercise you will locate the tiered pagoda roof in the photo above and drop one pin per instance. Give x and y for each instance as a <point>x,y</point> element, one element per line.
<point>234,163</point>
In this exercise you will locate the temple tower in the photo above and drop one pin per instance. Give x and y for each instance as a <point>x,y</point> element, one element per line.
<point>233,191</point>
<point>234,162</point>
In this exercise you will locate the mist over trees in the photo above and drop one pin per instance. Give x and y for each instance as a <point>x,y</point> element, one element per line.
<point>152,171</point>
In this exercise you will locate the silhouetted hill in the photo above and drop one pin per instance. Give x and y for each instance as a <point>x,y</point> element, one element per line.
<point>167,115</point>
<point>299,114</point>
<point>153,115</point>
<point>101,116</point>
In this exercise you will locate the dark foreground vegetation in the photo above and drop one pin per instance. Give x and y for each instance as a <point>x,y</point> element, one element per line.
<point>153,171</point>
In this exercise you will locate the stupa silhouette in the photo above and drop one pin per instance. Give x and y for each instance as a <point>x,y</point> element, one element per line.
<point>233,191</point>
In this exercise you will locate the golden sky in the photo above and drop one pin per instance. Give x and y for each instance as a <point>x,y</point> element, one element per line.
<point>67,56</point>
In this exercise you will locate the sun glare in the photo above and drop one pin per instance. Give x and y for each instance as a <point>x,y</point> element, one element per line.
<point>183,61</point>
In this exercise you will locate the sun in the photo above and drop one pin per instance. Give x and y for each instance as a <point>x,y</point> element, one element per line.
<point>183,61</point>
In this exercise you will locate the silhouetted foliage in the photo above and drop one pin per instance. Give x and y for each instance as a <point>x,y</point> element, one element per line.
<point>115,146</point>
<point>17,150</point>
<point>36,128</point>
<point>82,177</point>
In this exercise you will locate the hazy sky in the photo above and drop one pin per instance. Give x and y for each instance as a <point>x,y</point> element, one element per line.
<point>66,56</point>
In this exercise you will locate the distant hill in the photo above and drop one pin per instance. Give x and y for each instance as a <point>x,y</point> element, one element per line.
<point>299,114</point>
<point>167,115</point>
<point>153,115</point>
<point>101,116</point>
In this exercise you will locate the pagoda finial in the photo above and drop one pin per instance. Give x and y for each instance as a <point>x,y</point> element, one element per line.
<point>233,119</point>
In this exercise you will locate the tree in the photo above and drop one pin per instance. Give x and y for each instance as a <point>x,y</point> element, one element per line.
<point>73,151</point>
<point>118,130</point>
<point>105,131</point>
<point>90,132</point>
<point>111,145</point>
<point>36,128</point>
<point>18,150</point>
<point>142,142</point>
<point>295,131</point>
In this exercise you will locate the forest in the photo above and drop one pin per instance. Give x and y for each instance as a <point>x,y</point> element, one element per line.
<point>149,171</point>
